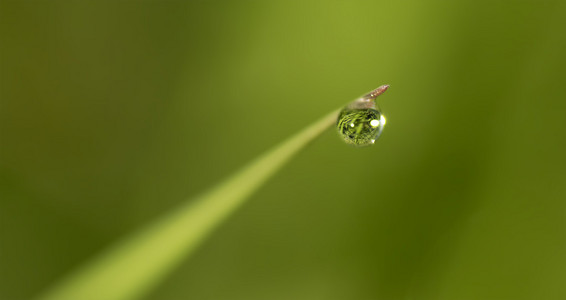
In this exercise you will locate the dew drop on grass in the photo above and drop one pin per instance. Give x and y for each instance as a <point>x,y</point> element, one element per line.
<point>360,123</point>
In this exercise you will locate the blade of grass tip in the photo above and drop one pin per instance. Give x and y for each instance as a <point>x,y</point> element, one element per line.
<point>136,264</point>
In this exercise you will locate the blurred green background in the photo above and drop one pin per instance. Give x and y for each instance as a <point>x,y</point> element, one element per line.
<point>112,113</point>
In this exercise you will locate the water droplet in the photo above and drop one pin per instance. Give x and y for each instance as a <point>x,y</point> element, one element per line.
<point>361,122</point>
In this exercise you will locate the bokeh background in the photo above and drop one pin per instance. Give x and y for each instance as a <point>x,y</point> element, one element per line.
<point>113,113</point>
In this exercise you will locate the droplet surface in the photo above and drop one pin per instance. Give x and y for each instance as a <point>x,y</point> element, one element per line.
<point>361,122</point>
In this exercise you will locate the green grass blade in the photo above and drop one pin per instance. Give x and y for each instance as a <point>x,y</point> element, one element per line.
<point>135,265</point>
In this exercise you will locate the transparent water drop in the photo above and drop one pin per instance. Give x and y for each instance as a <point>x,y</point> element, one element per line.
<point>361,122</point>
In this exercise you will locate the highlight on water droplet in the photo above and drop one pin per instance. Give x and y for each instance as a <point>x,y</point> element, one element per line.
<point>361,122</point>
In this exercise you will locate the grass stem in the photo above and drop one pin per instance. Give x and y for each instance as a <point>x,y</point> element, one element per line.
<point>140,261</point>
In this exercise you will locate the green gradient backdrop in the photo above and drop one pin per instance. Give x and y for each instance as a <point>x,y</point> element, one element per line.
<point>113,113</point>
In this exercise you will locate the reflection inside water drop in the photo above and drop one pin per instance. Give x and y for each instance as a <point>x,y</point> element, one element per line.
<point>361,122</point>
